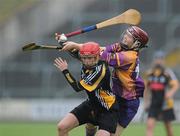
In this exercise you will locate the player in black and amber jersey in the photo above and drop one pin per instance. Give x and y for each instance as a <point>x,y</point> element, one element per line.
<point>101,107</point>
<point>162,83</point>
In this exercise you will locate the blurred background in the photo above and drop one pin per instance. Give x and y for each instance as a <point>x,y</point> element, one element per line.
<point>31,88</point>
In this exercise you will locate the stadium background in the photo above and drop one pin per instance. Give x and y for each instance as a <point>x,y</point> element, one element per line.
<point>32,89</point>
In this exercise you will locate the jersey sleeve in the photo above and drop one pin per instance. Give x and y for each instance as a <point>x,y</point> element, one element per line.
<point>171,74</point>
<point>71,80</point>
<point>113,47</point>
<point>93,80</point>
<point>121,59</point>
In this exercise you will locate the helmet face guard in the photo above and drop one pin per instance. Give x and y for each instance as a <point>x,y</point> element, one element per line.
<point>126,40</point>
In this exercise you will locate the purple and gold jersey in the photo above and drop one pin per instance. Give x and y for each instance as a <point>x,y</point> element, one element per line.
<point>126,80</point>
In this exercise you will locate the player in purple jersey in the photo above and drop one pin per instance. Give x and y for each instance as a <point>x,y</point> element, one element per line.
<point>126,82</point>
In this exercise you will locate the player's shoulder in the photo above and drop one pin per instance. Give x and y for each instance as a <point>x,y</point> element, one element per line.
<point>169,72</point>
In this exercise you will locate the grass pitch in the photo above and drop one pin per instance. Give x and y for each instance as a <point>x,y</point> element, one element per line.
<point>49,129</point>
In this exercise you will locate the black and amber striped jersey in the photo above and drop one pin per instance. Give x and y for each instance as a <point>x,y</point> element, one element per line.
<point>96,83</point>
<point>159,80</point>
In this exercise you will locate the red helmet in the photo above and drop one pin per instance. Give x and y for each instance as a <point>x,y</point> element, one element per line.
<point>138,34</point>
<point>90,48</point>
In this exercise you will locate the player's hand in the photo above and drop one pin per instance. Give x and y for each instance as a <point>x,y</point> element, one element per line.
<point>169,94</point>
<point>60,38</point>
<point>71,45</point>
<point>61,64</point>
<point>102,49</point>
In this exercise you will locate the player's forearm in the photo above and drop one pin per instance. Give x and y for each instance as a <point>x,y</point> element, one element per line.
<point>174,87</point>
<point>113,48</point>
<point>72,48</point>
<point>71,80</point>
<point>77,46</point>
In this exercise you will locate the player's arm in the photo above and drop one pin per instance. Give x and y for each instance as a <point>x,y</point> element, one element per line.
<point>72,48</point>
<point>174,87</point>
<point>173,83</point>
<point>111,54</point>
<point>63,66</point>
<point>69,45</point>
<point>71,80</point>
<point>116,58</point>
